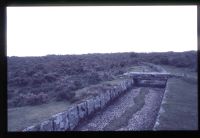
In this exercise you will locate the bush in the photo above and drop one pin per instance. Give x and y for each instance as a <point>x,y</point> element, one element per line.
<point>63,95</point>
<point>18,81</point>
<point>33,99</point>
<point>93,78</point>
<point>29,99</point>
<point>49,77</point>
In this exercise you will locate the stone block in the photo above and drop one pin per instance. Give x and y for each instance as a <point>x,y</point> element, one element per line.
<point>111,94</point>
<point>90,106</point>
<point>103,100</point>
<point>152,83</point>
<point>47,125</point>
<point>107,97</point>
<point>82,110</point>
<point>97,103</point>
<point>60,121</point>
<point>32,128</point>
<point>73,117</point>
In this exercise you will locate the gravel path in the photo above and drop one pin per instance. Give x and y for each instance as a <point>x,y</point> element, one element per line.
<point>135,110</point>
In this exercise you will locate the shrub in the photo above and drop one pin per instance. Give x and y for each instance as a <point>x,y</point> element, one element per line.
<point>29,99</point>
<point>33,99</point>
<point>18,81</point>
<point>63,95</point>
<point>93,78</point>
<point>49,77</point>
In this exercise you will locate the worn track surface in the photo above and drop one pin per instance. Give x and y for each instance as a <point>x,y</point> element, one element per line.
<point>137,109</point>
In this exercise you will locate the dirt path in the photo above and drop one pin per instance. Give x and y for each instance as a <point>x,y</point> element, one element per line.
<point>135,110</point>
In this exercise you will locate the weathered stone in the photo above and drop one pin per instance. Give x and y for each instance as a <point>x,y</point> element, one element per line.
<point>116,91</point>
<point>73,117</point>
<point>90,106</point>
<point>152,83</point>
<point>107,97</point>
<point>103,100</point>
<point>111,94</point>
<point>147,75</point>
<point>60,121</point>
<point>123,85</point>
<point>119,88</point>
<point>32,128</point>
<point>47,125</point>
<point>97,103</point>
<point>82,110</point>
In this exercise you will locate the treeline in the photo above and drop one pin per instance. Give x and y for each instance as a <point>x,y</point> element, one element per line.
<point>37,80</point>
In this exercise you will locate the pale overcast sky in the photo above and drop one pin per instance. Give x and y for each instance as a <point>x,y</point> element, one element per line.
<point>38,31</point>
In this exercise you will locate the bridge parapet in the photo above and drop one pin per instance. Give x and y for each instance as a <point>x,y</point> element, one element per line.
<point>149,75</point>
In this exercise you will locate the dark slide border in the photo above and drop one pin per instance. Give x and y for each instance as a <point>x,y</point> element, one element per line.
<point>3,64</point>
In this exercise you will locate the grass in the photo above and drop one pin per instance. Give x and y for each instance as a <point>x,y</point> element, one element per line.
<point>140,69</point>
<point>22,117</point>
<point>181,102</point>
<point>180,106</point>
<point>121,121</point>
<point>172,69</point>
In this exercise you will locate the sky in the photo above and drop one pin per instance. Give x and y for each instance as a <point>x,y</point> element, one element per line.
<point>39,31</point>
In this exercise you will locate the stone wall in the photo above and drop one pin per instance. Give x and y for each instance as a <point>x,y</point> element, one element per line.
<point>149,75</point>
<point>70,118</point>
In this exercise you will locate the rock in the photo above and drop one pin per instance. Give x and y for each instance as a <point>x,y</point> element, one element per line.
<point>111,94</point>
<point>32,128</point>
<point>103,100</point>
<point>90,106</point>
<point>107,96</point>
<point>116,91</point>
<point>152,83</point>
<point>73,117</point>
<point>47,125</point>
<point>97,103</point>
<point>82,110</point>
<point>60,121</point>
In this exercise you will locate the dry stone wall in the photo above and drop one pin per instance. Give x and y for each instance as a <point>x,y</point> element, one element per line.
<point>70,118</point>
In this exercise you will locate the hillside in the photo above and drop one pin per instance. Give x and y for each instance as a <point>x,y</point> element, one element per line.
<point>38,80</point>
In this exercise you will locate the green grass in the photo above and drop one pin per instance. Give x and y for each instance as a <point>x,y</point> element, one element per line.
<point>21,117</point>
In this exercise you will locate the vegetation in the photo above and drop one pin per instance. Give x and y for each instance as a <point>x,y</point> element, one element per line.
<point>38,80</point>
<point>181,106</point>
